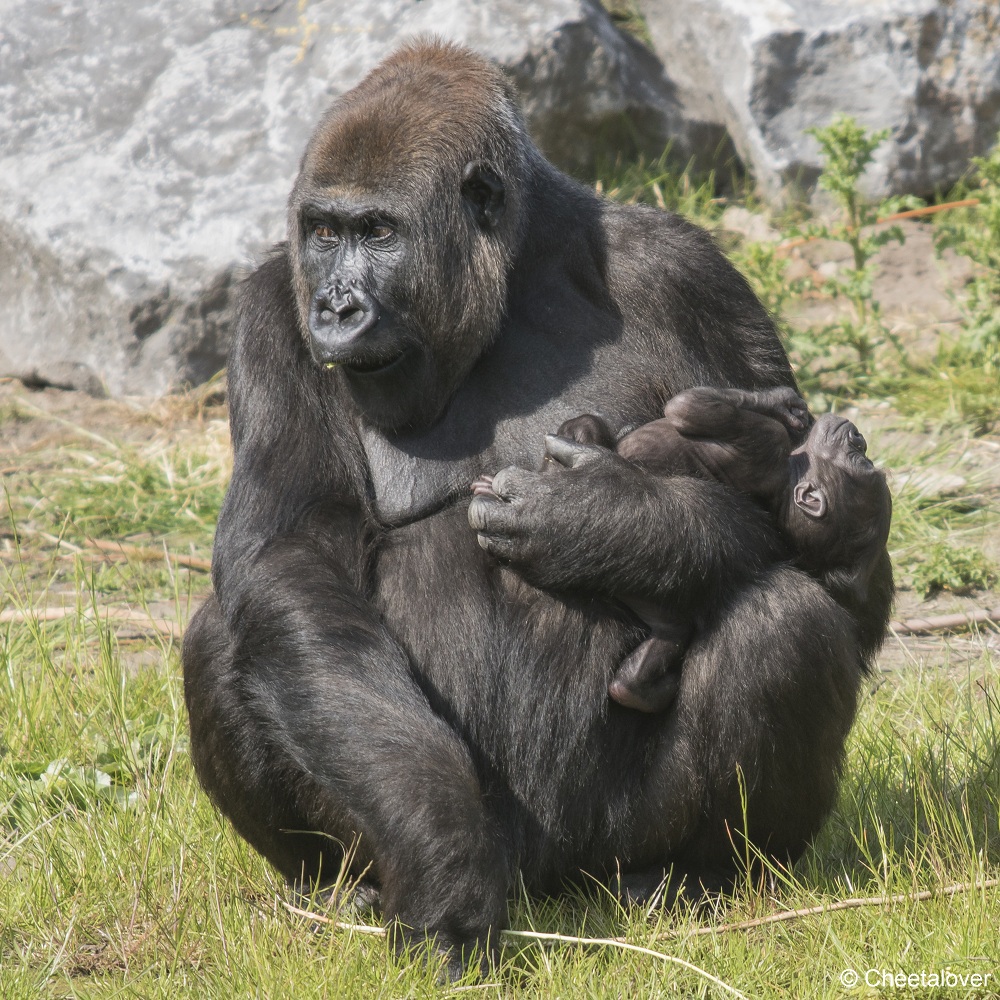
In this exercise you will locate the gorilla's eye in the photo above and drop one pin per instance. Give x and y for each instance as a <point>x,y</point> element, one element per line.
<point>857,440</point>
<point>381,231</point>
<point>322,232</point>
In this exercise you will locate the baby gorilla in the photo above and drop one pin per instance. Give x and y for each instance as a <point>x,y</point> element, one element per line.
<point>832,505</point>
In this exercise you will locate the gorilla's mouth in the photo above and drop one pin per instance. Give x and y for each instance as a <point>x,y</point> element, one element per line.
<point>373,364</point>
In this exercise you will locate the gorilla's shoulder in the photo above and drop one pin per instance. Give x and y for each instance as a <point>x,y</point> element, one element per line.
<point>627,224</point>
<point>646,244</point>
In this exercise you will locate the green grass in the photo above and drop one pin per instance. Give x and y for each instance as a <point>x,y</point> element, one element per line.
<point>927,528</point>
<point>148,893</point>
<point>119,879</point>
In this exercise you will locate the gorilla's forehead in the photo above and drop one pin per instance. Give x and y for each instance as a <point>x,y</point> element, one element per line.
<point>428,106</point>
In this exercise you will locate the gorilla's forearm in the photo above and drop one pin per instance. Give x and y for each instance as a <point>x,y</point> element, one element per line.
<point>606,527</point>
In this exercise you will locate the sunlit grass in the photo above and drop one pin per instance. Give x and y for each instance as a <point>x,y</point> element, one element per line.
<point>117,878</point>
<point>151,892</point>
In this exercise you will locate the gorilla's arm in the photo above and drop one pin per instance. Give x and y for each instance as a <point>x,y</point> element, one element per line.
<point>602,525</point>
<point>304,711</point>
<point>724,413</point>
<point>293,470</point>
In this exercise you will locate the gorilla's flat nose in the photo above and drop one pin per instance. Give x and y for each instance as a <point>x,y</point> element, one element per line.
<point>340,315</point>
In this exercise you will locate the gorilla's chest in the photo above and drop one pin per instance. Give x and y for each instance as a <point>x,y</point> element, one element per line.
<point>533,380</point>
<point>413,477</point>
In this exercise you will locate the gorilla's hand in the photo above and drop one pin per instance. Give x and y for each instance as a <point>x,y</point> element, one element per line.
<point>570,526</point>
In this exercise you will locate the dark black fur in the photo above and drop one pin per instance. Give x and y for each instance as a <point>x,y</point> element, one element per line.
<point>832,505</point>
<point>365,669</point>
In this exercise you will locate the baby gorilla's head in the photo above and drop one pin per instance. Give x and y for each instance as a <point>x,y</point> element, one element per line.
<point>839,507</point>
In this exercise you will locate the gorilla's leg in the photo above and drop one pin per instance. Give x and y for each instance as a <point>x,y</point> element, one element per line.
<point>767,697</point>
<point>283,739</point>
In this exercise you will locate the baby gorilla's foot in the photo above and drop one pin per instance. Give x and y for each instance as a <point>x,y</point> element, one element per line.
<point>645,696</point>
<point>786,405</point>
<point>483,487</point>
<point>649,678</point>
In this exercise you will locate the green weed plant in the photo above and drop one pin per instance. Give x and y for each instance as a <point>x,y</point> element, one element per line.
<point>847,149</point>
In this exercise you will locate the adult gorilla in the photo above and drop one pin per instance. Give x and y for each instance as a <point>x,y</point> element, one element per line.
<point>365,672</point>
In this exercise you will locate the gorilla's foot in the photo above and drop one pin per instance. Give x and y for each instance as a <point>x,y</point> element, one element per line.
<point>663,888</point>
<point>349,900</point>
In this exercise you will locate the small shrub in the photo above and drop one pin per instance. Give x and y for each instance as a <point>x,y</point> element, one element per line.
<point>847,149</point>
<point>975,233</point>
<point>958,569</point>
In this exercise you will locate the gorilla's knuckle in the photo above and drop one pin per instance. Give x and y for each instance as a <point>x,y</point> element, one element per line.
<point>510,483</point>
<point>482,513</point>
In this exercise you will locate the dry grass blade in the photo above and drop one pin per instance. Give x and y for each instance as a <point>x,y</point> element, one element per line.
<point>944,623</point>
<point>148,552</point>
<point>625,946</point>
<point>913,213</point>
<point>843,904</point>
<point>165,625</point>
<point>618,943</point>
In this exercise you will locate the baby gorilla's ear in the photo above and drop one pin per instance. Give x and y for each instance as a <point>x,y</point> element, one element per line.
<point>810,498</point>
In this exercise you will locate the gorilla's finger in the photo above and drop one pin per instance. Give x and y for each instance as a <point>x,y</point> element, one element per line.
<point>494,516</point>
<point>483,511</point>
<point>570,453</point>
<point>509,484</point>
<point>499,548</point>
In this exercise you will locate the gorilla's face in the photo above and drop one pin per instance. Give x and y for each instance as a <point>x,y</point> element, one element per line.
<point>357,264</point>
<point>839,505</point>
<point>400,274</point>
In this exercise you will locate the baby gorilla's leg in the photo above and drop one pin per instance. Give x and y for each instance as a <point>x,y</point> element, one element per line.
<point>648,678</point>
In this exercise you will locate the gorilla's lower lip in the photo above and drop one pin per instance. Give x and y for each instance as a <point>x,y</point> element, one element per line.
<point>371,366</point>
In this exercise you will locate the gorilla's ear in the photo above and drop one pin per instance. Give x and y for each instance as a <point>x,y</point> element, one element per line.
<point>810,498</point>
<point>484,193</point>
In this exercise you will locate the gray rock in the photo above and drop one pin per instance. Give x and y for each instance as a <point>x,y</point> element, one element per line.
<point>769,69</point>
<point>147,151</point>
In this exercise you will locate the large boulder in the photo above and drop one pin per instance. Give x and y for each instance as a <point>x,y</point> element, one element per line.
<point>148,150</point>
<point>770,69</point>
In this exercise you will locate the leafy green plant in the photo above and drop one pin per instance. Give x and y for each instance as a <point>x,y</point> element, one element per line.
<point>766,268</point>
<point>33,789</point>
<point>950,388</point>
<point>974,232</point>
<point>958,569</point>
<point>847,149</point>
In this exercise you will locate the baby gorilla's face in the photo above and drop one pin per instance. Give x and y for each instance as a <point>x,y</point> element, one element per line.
<point>836,439</point>
<point>835,448</point>
<point>840,507</point>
